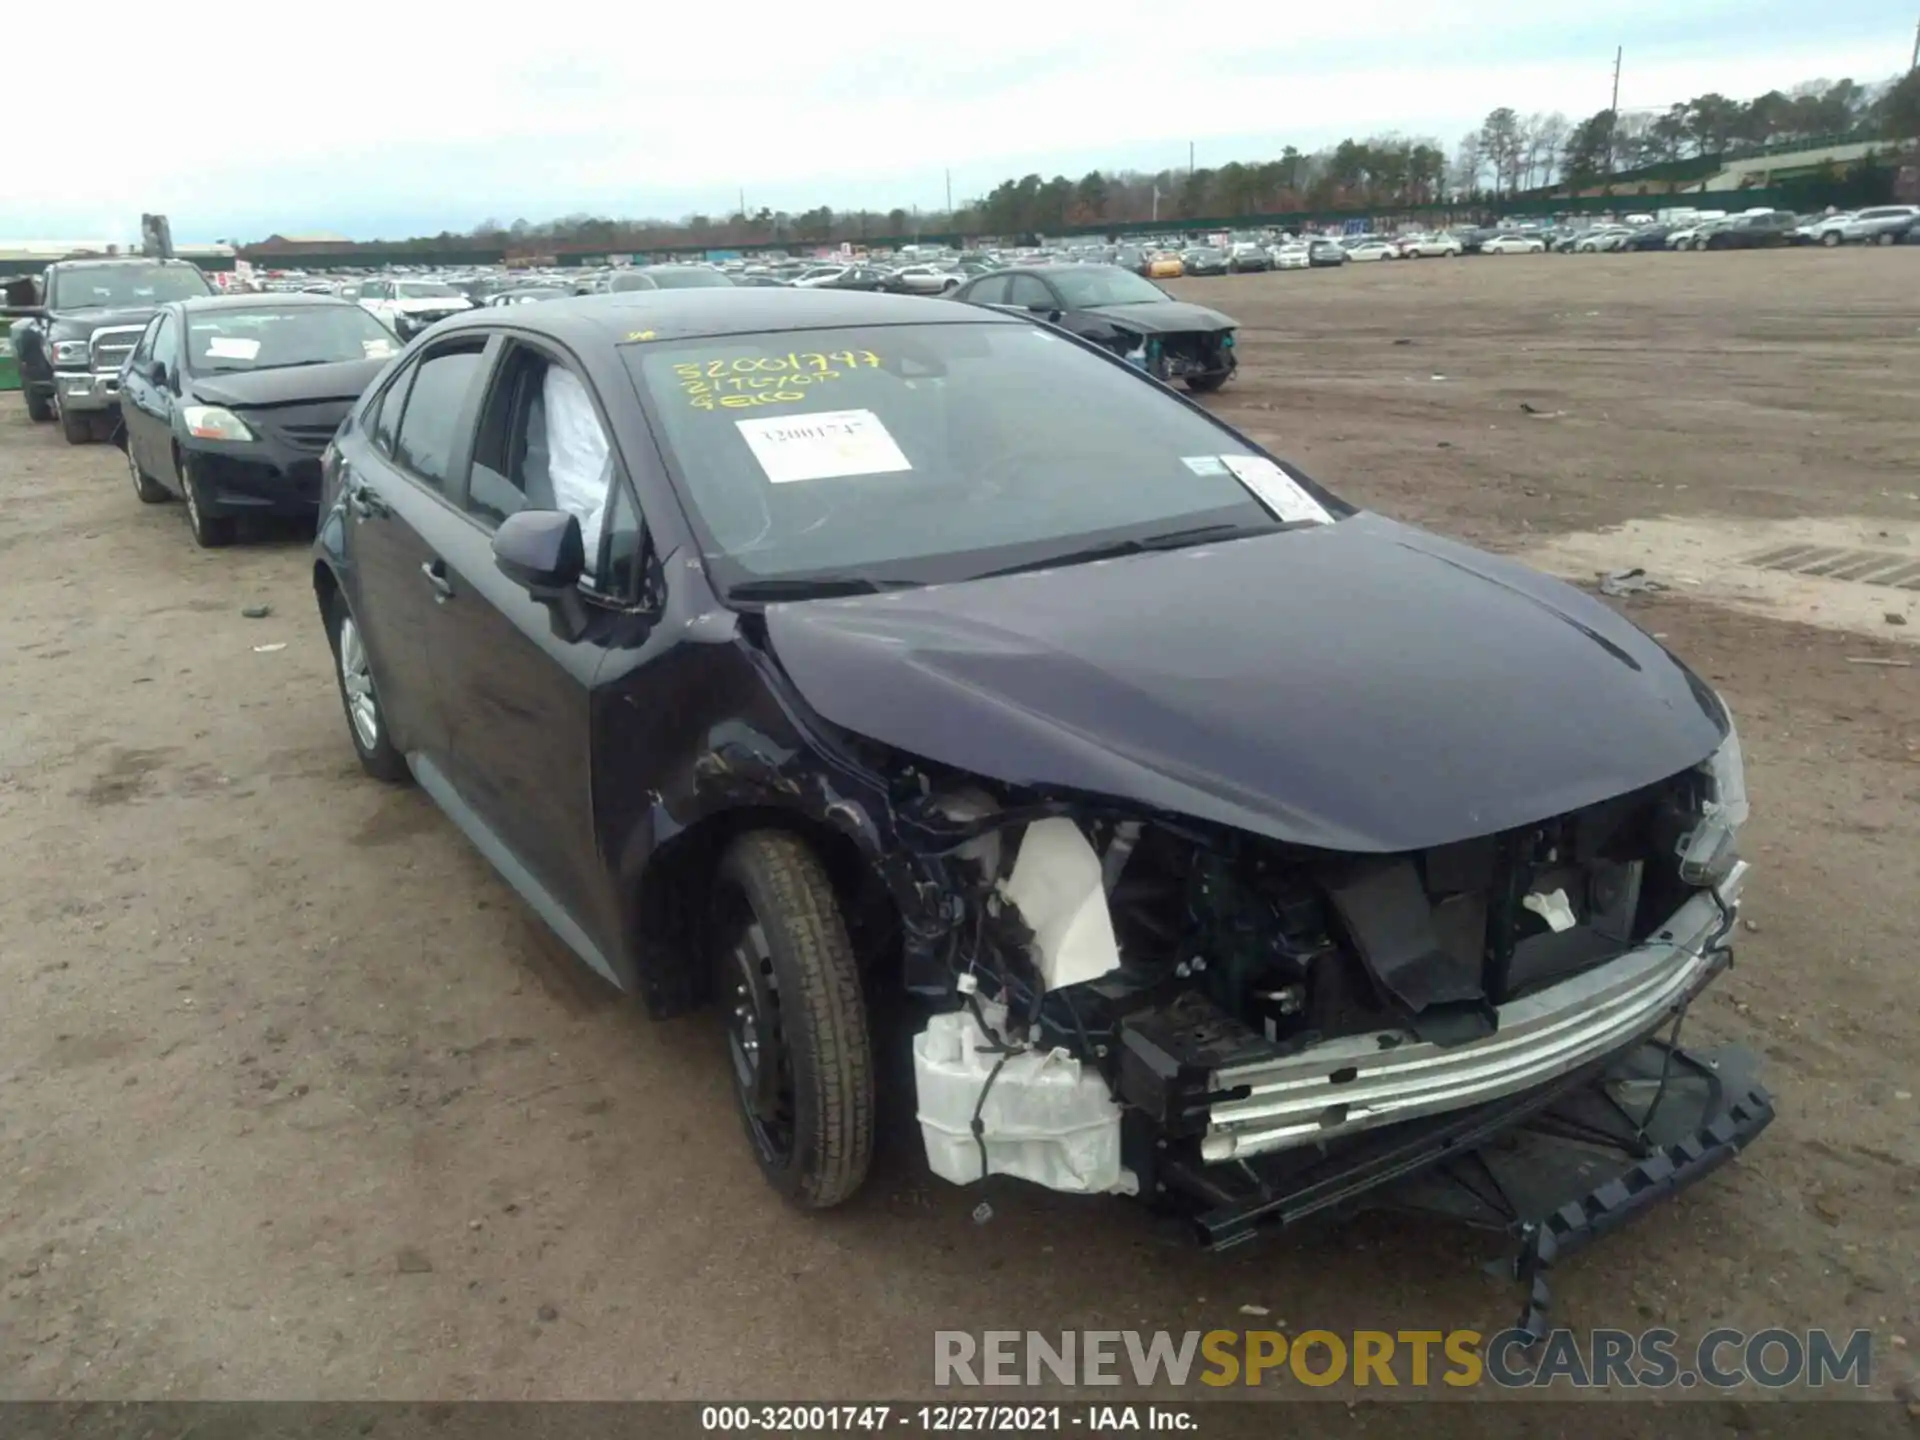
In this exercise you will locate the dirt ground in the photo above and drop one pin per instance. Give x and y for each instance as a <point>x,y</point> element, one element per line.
<point>297,1099</point>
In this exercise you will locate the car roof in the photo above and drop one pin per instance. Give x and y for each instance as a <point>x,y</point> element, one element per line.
<point>96,261</point>
<point>266,300</point>
<point>740,310</point>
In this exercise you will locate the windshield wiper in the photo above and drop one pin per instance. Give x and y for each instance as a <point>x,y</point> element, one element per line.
<point>1140,545</point>
<point>813,587</point>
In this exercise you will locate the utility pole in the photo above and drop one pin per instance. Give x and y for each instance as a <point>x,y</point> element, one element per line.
<point>1189,159</point>
<point>1914,64</point>
<point>743,202</point>
<point>949,196</point>
<point>1613,109</point>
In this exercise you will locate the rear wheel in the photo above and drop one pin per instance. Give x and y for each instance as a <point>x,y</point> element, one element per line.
<point>366,723</point>
<point>795,1019</point>
<point>1885,237</point>
<point>39,407</point>
<point>1830,239</point>
<point>1205,384</point>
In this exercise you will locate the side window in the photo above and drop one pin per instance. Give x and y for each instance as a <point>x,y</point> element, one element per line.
<point>621,574</point>
<point>383,416</point>
<point>143,352</point>
<point>166,331</point>
<point>542,446</point>
<point>430,425</point>
<point>1028,291</point>
<point>991,291</point>
<point>374,290</point>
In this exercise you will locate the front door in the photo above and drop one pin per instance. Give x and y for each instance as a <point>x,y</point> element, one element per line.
<point>143,405</point>
<point>396,476</point>
<point>517,693</point>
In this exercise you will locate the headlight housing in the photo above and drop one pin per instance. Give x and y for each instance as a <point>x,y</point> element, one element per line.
<point>213,422</point>
<point>1710,850</point>
<point>72,352</point>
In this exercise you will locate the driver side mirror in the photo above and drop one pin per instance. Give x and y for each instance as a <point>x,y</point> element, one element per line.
<point>158,374</point>
<point>542,552</point>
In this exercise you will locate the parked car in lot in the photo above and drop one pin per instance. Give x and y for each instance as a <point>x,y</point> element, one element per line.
<point>1203,260</point>
<point>407,307</point>
<point>1647,237</point>
<point>925,280</point>
<point>229,401</point>
<point>1695,236</point>
<point>1248,257</point>
<point>1294,256</point>
<point>1856,227</point>
<point>1761,230</point>
<point>70,344</point>
<point>1512,242</point>
<point>845,277</point>
<point>1118,311</point>
<point>1418,247</point>
<point>1373,248</point>
<point>1601,239</point>
<point>527,295</point>
<point>1165,265</point>
<point>949,679</point>
<point>1325,254</point>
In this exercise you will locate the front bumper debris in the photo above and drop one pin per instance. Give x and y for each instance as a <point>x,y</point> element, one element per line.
<point>1341,1087</point>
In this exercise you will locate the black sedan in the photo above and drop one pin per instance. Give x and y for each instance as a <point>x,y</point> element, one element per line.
<point>1648,237</point>
<point>1205,260</point>
<point>1118,311</point>
<point>227,402</point>
<point>820,658</point>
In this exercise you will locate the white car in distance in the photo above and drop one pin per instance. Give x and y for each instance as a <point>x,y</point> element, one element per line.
<point>1513,243</point>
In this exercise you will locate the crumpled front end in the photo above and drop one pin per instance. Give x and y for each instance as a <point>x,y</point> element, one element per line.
<point>1214,1019</point>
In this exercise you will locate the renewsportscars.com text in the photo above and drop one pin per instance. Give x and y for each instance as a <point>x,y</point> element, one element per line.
<point>1595,1359</point>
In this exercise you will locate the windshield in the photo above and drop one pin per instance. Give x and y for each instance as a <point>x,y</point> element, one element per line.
<point>125,286</point>
<point>1204,252</point>
<point>926,452</point>
<point>221,342</point>
<point>425,289</point>
<point>1112,286</point>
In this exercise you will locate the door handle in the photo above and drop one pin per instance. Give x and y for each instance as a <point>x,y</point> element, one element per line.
<point>365,501</point>
<point>436,573</point>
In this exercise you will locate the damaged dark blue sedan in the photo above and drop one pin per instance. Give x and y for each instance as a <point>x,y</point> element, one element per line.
<point>1236,848</point>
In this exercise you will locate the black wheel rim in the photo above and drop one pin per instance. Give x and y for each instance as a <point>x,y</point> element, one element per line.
<point>757,1046</point>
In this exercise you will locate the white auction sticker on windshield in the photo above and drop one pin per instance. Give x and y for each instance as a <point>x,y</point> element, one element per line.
<point>232,347</point>
<point>377,349</point>
<point>1276,489</point>
<point>827,446</point>
<point>1204,464</point>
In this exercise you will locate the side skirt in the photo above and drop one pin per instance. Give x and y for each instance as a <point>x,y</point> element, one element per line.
<point>483,839</point>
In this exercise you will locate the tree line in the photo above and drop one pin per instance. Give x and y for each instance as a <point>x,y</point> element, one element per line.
<point>1507,155</point>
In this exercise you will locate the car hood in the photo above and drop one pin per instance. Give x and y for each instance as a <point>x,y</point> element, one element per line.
<point>289,385</point>
<point>1361,686</point>
<point>79,324</point>
<point>1162,317</point>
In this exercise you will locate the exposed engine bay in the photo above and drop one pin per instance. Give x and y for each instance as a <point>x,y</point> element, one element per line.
<point>1178,355</point>
<point>1131,998</point>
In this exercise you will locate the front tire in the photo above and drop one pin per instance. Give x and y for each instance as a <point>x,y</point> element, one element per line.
<point>353,675</point>
<point>1830,239</point>
<point>150,491</point>
<point>210,532</point>
<point>76,426</point>
<point>1206,384</point>
<point>796,1021</point>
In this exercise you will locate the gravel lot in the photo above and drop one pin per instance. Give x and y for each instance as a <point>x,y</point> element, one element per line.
<point>297,1099</point>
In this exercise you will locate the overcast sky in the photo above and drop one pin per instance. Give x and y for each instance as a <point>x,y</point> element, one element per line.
<point>394,118</point>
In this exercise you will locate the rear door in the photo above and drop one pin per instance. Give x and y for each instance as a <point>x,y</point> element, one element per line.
<point>413,438</point>
<point>518,693</point>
